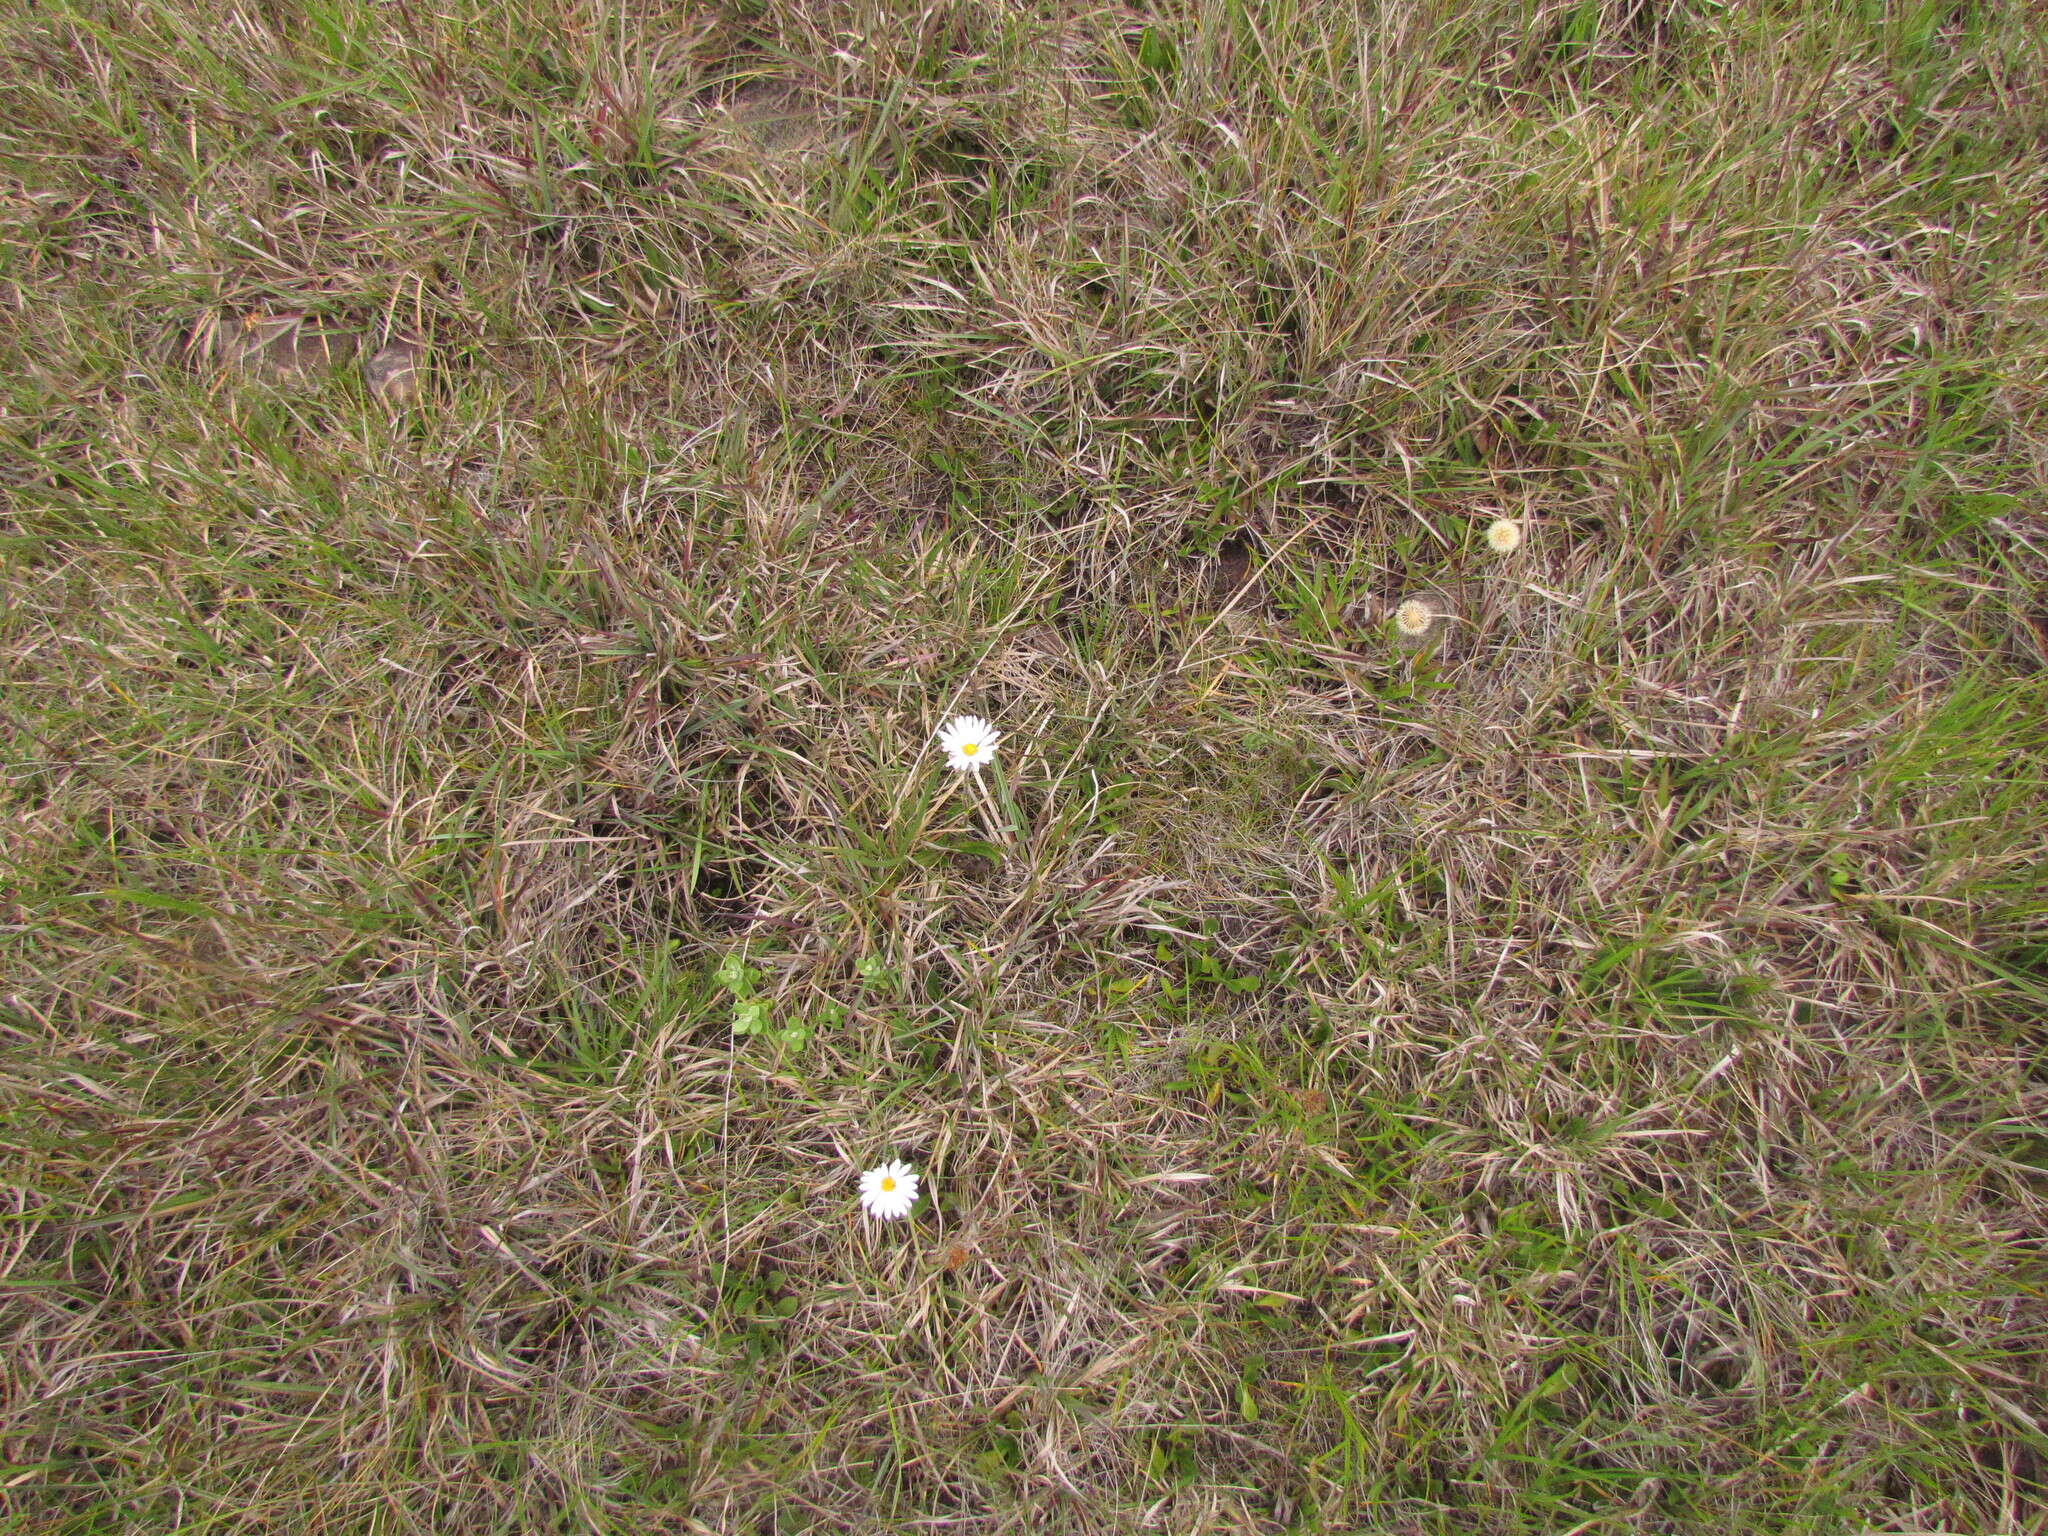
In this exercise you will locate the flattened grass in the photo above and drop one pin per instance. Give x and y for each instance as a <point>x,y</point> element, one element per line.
<point>1577,1070</point>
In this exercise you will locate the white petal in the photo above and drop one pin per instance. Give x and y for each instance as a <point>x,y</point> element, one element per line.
<point>896,1204</point>
<point>893,1203</point>
<point>962,729</point>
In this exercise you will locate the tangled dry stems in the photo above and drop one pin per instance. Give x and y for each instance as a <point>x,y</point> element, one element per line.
<point>1576,1073</point>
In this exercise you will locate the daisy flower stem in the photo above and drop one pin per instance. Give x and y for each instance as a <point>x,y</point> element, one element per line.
<point>1001,818</point>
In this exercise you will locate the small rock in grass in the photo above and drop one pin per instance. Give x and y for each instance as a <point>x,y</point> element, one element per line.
<point>392,373</point>
<point>281,348</point>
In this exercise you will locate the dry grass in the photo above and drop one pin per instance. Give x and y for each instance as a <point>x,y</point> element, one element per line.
<point>498,499</point>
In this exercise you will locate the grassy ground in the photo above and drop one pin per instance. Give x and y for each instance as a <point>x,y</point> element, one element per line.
<point>498,499</point>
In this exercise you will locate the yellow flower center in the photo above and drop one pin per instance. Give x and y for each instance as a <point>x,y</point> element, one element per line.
<point>969,748</point>
<point>888,1186</point>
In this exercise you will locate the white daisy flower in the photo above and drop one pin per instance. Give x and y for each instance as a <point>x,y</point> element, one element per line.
<point>887,1193</point>
<point>1413,617</point>
<point>968,741</point>
<point>1504,536</point>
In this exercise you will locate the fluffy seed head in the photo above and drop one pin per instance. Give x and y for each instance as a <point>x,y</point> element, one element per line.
<point>1413,617</point>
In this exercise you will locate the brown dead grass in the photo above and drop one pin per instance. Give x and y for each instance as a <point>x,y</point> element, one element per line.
<point>1578,1073</point>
